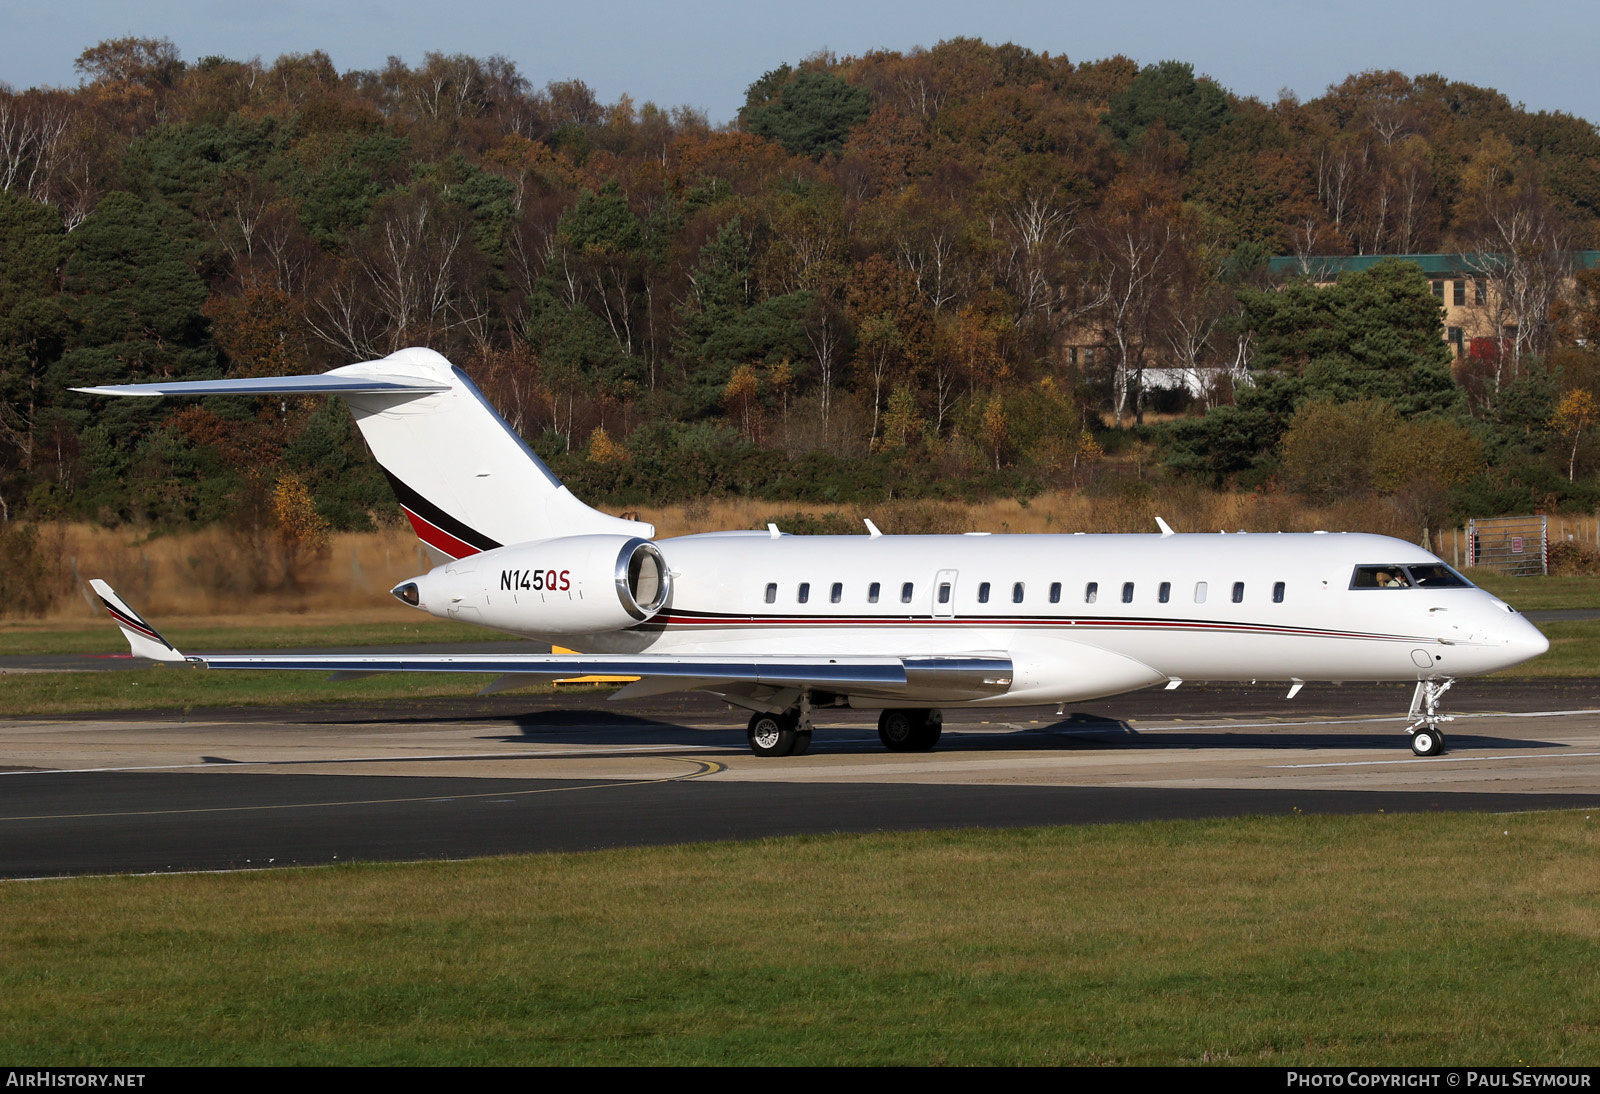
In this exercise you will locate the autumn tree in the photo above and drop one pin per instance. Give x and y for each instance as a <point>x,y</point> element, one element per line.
<point>893,328</point>
<point>1135,241</point>
<point>1575,415</point>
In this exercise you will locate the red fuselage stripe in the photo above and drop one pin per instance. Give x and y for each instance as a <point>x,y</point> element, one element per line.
<point>438,538</point>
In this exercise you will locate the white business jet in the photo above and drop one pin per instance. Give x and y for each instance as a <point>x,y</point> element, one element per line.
<point>782,625</point>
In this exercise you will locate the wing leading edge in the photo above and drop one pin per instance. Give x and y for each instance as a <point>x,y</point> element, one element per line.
<point>955,677</point>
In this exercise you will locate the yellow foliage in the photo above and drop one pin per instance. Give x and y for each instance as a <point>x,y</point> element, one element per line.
<point>996,428</point>
<point>1575,413</point>
<point>902,422</point>
<point>602,449</point>
<point>299,524</point>
<point>739,399</point>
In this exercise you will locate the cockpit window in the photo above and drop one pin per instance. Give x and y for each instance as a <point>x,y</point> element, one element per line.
<point>1437,576</point>
<point>1433,575</point>
<point>1380,577</point>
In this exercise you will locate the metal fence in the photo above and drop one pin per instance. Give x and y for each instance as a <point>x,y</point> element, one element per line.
<point>1517,546</point>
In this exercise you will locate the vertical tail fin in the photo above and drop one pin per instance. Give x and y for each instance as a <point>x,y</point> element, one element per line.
<point>467,482</point>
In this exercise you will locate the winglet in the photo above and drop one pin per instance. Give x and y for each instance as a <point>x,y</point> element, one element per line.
<point>1166,529</point>
<point>144,639</point>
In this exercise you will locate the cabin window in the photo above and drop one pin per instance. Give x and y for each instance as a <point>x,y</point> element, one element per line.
<point>1277,592</point>
<point>983,593</point>
<point>1055,592</point>
<point>1199,592</point>
<point>1016,593</point>
<point>1091,592</point>
<point>905,592</point>
<point>1127,592</point>
<point>1164,593</point>
<point>772,592</point>
<point>944,592</point>
<point>872,592</point>
<point>805,592</point>
<point>1238,592</point>
<point>837,593</point>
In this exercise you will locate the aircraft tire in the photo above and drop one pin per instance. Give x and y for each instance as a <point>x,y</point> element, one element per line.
<point>903,730</point>
<point>772,734</point>
<point>897,729</point>
<point>802,743</point>
<point>1427,741</point>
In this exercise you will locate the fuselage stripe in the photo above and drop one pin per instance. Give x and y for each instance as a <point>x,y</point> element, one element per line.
<point>689,621</point>
<point>454,537</point>
<point>438,538</point>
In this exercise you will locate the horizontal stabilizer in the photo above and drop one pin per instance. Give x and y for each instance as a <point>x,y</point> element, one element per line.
<point>467,481</point>
<point>144,639</point>
<point>326,383</point>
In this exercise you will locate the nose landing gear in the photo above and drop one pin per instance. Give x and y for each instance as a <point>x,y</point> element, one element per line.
<point>1427,739</point>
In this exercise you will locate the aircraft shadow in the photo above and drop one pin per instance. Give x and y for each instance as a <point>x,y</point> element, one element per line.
<point>1078,731</point>
<point>1098,731</point>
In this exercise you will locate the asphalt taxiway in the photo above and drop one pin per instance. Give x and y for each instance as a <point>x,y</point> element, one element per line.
<point>508,774</point>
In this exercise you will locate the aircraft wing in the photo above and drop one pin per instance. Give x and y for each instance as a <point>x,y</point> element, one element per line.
<point>951,677</point>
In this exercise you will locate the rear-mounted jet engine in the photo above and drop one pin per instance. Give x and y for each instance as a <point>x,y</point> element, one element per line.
<point>572,585</point>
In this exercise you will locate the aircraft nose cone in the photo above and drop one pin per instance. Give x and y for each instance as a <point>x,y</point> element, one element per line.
<point>1532,641</point>
<point>1523,641</point>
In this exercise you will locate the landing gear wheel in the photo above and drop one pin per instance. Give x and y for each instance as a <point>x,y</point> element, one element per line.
<point>773,734</point>
<point>802,743</point>
<point>903,730</point>
<point>1427,741</point>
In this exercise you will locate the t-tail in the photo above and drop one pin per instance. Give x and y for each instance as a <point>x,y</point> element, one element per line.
<point>467,482</point>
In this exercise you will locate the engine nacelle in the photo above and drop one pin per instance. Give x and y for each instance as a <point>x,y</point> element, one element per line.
<point>571,585</point>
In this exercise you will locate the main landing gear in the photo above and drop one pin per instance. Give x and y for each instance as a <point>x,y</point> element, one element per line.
<point>903,730</point>
<point>789,733</point>
<point>779,734</point>
<point>1427,739</point>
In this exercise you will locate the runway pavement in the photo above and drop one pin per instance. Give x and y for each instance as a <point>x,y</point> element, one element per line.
<point>457,778</point>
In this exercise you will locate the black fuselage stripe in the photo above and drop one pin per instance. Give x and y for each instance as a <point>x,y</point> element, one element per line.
<point>437,517</point>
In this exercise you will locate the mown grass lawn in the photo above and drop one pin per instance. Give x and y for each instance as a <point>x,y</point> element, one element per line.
<point>1424,939</point>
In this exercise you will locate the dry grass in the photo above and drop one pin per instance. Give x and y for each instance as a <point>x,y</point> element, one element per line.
<point>216,577</point>
<point>1134,508</point>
